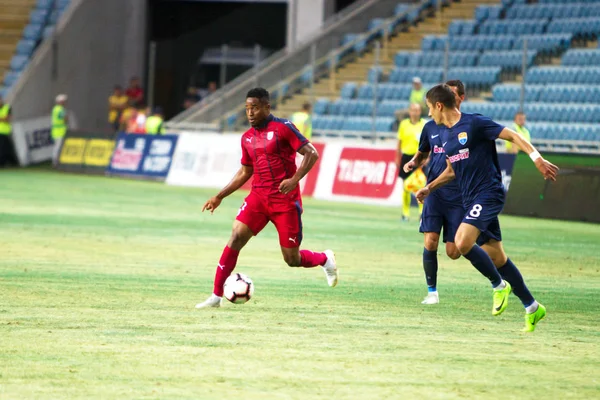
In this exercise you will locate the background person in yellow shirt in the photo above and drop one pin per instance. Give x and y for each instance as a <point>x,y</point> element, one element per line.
<point>303,121</point>
<point>519,126</point>
<point>117,102</point>
<point>409,133</point>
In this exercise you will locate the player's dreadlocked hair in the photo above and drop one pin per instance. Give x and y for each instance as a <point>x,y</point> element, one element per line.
<point>458,84</point>
<point>259,93</point>
<point>441,94</point>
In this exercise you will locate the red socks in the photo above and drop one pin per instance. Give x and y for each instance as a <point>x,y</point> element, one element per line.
<point>309,259</point>
<point>225,268</point>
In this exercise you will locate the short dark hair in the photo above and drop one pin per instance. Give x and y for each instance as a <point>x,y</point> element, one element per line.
<point>458,84</point>
<point>306,106</point>
<point>441,94</point>
<point>259,93</point>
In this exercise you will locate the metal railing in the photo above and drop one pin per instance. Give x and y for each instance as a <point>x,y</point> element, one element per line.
<point>284,68</point>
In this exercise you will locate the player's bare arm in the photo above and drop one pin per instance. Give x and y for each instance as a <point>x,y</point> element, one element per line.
<point>241,177</point>
<point>311,155</point>
<point>445,177</point>
<point>546,168</point>
<point>418,160</point>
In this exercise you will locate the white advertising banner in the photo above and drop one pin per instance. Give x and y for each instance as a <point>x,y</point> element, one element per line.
<point>205,160</point>
<point>32,139</point>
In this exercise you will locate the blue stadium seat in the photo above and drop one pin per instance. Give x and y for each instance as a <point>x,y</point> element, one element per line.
<point>48,31</point>
<point>587,28</point>
<point>384,124</point>
<point>512,92</point>
<point>321,106</point>
<point>38,16</point>
<point>62,4</point>
<point>504,27</point>
<point>549,43</point>
<point>10,78</point>
<point>32,32</point>
<point>476,76</point>
<point>487,12</point>
<point>44,4</point>
<point>18,62</point>
<point>25,47</point>
<point>374,74</point>
<point>512,59</point>
<point>462,27</point>
<point>405,75</point>
<point>433,43</point>
<point>389,107</point>
<point>348,90</point>
<point>581,57</point>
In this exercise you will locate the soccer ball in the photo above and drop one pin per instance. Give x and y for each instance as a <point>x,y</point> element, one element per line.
<point>238,288</point>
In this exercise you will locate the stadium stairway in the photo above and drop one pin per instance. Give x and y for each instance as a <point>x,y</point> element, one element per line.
<point>357,71</point>
<point>14,16</point>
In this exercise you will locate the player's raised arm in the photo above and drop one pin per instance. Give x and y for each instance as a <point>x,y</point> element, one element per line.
<point>311,155</point>
<point>241,177</point>
<point>546,168</point>
<point>444,178</point>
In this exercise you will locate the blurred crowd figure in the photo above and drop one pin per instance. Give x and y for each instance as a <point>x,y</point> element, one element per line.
<point>7,150</point>
<point>128,112</point>
<point>195,95</point>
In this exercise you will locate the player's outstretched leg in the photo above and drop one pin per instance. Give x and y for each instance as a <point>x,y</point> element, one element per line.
<point>534,311</point>
<point>465,242</point>
<point>240,236</point>
<point>310,259</point>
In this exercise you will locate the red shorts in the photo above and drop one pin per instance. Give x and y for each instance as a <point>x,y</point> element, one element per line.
<point>284,211</point>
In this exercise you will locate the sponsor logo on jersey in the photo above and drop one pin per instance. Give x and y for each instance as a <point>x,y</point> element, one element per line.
<point>462,138</point>
<point>437,149</point>
<point>270,135</point>
<point>460,156</point>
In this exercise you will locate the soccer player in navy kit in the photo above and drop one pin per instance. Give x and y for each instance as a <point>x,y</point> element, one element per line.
<point>269,150</point>
<point>469,144</point>
<point>444,208</point>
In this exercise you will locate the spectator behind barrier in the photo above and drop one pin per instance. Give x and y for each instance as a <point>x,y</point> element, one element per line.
<point>135,91</point>
<point>117,103</point>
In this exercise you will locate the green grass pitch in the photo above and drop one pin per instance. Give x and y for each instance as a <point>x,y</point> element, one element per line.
<point>99,278</point>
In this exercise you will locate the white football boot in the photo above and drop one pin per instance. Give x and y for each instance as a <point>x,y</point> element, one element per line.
<point>431,298</point>
<point>330,268</point>
<point>212,301</point>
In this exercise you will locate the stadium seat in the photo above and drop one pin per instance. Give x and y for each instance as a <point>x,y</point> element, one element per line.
<point>321,106</point>
<point>44,4</point>
<point>10,78</point>
<point>374,74</point>
<point>25,47</point>
<point>32,32</point>
<point>581,57</point>
<point>476,76</point>
<point>512,59</point>
<point>18,62</point>
<point>389,107</point>
<point>405,75</point>
<point>38,16</point>
<point>348,90</point>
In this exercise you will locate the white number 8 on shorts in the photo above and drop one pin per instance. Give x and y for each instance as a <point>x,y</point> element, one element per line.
<point>476,211</point>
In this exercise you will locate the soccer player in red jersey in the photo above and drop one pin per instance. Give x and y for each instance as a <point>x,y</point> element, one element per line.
<point>268,155</point>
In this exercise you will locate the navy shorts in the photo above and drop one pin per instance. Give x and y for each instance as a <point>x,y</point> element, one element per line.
<point>483,214</point>
<point>438,214</point>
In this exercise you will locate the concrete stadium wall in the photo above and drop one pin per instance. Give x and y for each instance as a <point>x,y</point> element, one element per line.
<point>96,45</point>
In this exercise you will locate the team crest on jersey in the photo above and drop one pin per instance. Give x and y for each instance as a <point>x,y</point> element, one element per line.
<point>462,137</point>
<point>269,135</point>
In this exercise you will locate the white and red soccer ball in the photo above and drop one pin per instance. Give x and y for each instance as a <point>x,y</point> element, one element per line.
<point>238,288</point>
